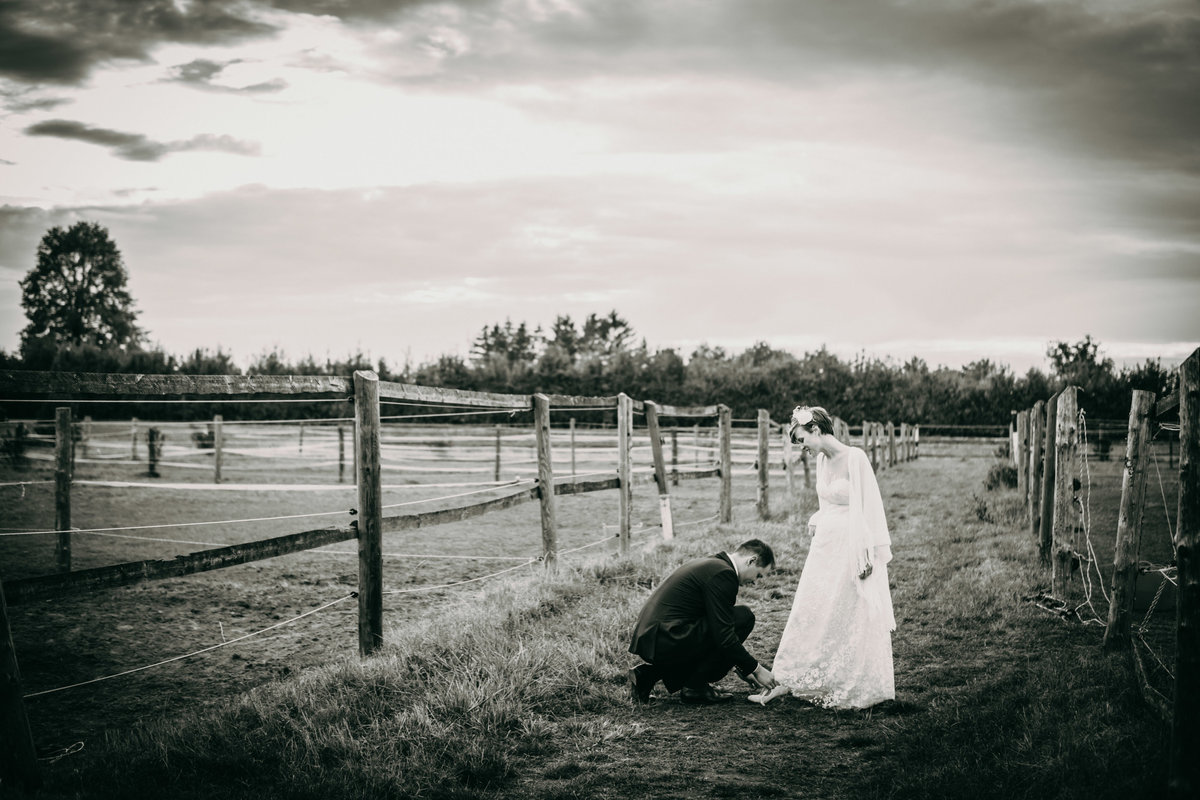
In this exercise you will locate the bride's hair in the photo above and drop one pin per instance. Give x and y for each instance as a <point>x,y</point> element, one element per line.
<point>813,418</point>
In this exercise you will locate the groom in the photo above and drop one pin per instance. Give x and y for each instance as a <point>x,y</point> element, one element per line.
<point>690,632</point>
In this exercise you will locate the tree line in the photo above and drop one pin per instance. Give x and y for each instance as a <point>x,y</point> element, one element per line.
<point>82,319</point>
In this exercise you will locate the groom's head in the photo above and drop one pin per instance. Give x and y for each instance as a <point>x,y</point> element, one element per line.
<point>754,557</point>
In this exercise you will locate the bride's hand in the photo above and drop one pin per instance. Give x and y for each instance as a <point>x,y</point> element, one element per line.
<point>866,572</point>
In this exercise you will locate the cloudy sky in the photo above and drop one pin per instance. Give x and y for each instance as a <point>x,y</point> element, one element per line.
<point>936,178</point>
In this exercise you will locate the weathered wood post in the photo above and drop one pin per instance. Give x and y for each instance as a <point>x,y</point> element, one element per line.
<point>891,436</point>
<point>1044,533</point>
<point>625,468</point>
<point>1184,778</point>
<point>725,434</point>
<point>866,443</point>
<point>763,464</point>
<point>370,511</point>
<point>674,455</point>
<point>1129,521</point>
<point>341,453</point>
<point>572,426</point>
<point>696,442</point>
<point>1066,492</point>
<point>1037,432</point>
<point>153,450</point>
<point>789,466</point>
<point>63,447</point>
<point>660,470</point>
<point>85,436</point>
<point>1022,455</point>
<point>496,472</point>
<point>545,467</point>
<point>218,444</point>
<point>18,757</point>
<point>133,455</point>
<point>301,448</point>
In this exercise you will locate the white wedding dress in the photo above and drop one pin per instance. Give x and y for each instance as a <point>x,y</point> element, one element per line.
<point>836,649</point>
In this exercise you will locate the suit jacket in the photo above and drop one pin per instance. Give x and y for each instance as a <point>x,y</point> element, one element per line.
<point>692,611</point>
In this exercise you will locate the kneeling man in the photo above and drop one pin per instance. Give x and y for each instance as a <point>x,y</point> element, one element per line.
<point>690,631</point>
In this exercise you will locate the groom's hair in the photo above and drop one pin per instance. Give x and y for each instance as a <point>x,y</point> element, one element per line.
<point>766,556</point>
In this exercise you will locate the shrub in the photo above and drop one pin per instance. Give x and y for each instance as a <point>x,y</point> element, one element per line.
<point>1001,474</point>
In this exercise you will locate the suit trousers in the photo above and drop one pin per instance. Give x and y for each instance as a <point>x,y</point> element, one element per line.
<point>708,663</point>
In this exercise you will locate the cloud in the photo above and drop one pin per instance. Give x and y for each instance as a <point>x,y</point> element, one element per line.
<point>62,42</point>
<point>201,74</point>
<point>136,146</point>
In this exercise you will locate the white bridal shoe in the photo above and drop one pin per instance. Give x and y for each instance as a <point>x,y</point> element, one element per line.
<point>762,698</point>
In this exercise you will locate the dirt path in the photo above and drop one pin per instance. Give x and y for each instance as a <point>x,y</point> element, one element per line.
<point>788,749</point>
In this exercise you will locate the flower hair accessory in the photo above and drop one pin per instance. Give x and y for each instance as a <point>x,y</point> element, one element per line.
<point>802,416</point>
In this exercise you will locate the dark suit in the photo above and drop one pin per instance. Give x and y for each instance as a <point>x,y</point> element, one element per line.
<point>690,630</point>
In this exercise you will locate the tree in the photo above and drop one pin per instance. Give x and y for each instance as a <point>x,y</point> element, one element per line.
<point>76,294</point>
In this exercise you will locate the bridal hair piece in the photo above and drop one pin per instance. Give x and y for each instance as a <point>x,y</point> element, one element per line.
<point>813,418</point>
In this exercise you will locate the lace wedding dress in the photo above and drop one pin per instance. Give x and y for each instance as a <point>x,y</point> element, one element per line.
<point>836,650</point>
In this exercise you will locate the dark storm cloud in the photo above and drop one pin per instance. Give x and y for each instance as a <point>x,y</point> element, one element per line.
<point>202,73</point>
<point>59,41</point>
<point>136,146</point>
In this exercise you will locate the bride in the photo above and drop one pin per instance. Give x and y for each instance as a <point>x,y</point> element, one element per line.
<point>836,649</point>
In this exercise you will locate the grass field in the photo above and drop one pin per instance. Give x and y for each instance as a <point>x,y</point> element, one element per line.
<point>514,687</point>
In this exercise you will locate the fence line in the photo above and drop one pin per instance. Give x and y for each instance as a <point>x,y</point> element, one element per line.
<point>1058,519</point>
<point>368,394</point>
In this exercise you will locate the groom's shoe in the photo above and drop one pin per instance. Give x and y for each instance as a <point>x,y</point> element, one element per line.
<point>641,680</point>
<point>706,696</point>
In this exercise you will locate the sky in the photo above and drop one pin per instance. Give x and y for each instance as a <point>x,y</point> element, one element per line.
<point>942,179</point>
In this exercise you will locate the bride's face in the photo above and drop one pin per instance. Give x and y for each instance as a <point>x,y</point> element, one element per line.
<point>806,437</point>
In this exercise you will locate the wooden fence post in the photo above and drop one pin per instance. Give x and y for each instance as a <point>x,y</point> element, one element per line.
<point>1044,533</point>
<point>301,448</point>
<point>725,434</point>
<point>660,470</point>
<point>496,473</point>
<point>1066,493</point>
<point>696,442</point>
<point>1022,454</point>
<point>891,435</point>
<point>85,436</point>
<point>866,444</point>
<point>218,443</point>
<point>153,450</point>
<point>788,464</point>
<point>18,757</point>
<point>1184,773</point>
<point>1129,521</point>
<point>916,441</point>
<point>341,453</point>
<point>133,440</point>
<point>545,467</point>
<point>574,471</point>
<point>674,455</point>
<point>63,447</point>
<point>1037,430</point>
<point>763,464</point>
<point>625,468</point>
<point>370,511</point>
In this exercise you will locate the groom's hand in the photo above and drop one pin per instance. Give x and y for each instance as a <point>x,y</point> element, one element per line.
<point>763,677</point>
